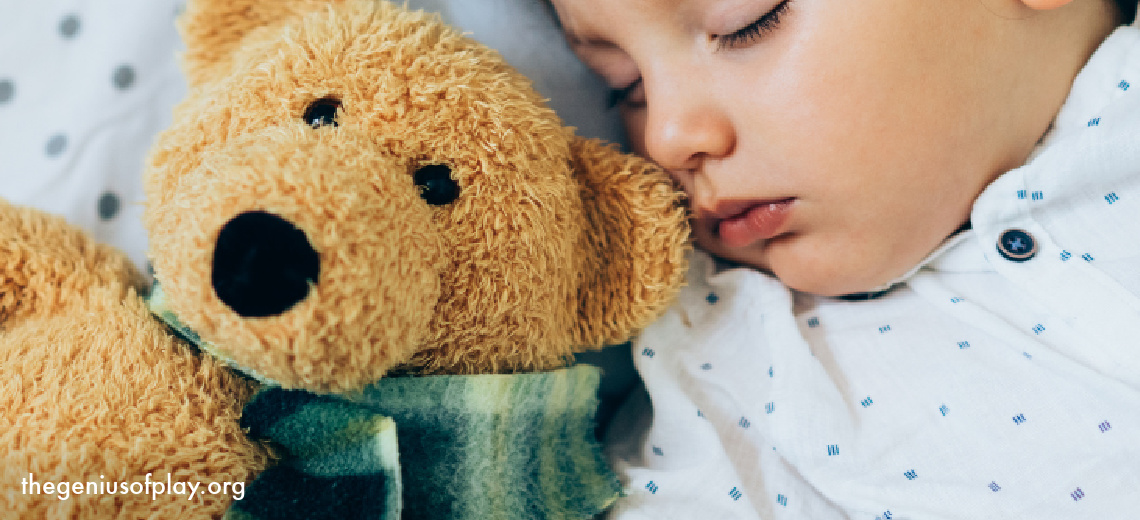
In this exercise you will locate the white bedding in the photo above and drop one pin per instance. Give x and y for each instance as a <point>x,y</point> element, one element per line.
<point>84,86</point>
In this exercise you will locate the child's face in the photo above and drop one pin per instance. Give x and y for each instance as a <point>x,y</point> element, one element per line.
<point>874,124</point>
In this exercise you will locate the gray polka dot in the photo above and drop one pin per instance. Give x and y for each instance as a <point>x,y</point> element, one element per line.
<point>69,26</point>
<point>124,77</point>
<point>7,90</point>
<point>56,145</point>
<point>108,206</point>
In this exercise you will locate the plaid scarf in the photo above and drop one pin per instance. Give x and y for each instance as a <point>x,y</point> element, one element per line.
<point>499,446</point>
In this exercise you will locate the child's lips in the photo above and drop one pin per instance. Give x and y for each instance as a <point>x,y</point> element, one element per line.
<point>760,221</point>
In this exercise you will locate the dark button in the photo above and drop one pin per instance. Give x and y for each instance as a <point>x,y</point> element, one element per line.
<point>1016,245</point>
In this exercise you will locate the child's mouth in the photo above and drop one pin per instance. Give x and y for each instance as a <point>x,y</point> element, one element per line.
<point>760,221</point>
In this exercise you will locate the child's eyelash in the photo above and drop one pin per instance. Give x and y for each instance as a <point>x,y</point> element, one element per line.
<point>619,95</point>
<point>747,34</point>
<point>754,30</point>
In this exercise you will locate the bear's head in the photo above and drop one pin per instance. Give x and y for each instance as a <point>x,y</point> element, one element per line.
<point>351,188</point>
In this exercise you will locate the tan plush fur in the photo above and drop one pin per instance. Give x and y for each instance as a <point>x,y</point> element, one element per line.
<point>93,389</point>
<point>555,244</point>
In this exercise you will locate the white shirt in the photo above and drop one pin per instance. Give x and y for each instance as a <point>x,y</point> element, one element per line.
<point>978,387</point>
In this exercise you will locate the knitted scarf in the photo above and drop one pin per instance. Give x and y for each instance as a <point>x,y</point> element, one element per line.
<point>518,446</point>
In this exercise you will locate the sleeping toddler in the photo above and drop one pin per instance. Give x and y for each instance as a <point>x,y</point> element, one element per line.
<point>917,293</point>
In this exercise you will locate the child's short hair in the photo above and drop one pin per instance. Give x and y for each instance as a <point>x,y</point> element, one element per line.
<point>1127,10</point>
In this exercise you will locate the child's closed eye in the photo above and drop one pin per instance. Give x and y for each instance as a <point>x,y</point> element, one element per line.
<point>753,31</point>
<point>632,95</point>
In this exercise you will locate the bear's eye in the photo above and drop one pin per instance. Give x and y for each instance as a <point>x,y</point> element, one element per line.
<point>322,112</point>
<point>436,185</point>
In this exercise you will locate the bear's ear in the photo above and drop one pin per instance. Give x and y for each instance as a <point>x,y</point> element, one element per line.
<point>633,253</point>
<point>213,29</point>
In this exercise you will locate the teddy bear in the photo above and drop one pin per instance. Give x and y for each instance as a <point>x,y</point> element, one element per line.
<point>396,249</point>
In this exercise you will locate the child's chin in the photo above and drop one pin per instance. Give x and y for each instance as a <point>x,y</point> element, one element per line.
<point>826,276</point>
<point>803,265</point>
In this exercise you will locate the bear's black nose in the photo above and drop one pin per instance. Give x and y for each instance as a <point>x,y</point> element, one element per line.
<point>263,264</point>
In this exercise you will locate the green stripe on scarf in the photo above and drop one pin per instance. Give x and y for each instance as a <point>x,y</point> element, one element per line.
<point>472,447</point>
<point>340,460</point>
<point>498,446</point>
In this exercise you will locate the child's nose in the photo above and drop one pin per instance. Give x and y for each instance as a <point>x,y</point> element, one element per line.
<point>685,126</point>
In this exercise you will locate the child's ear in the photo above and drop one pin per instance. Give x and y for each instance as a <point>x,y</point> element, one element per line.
<point>1045,5</point>
<point>633,252</point>
<point>213,29</point>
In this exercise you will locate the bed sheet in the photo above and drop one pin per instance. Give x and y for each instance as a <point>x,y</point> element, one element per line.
<point>84,86</point>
